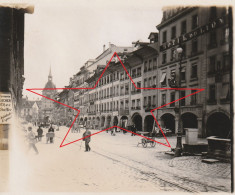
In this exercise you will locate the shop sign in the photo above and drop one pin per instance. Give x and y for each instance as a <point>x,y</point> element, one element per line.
<point>5,108</point>
<point>193,34</point>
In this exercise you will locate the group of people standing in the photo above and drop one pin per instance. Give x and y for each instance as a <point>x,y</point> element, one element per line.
<point>32,138</point>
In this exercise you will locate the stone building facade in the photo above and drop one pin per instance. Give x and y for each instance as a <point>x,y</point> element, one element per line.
<point>203,34</point>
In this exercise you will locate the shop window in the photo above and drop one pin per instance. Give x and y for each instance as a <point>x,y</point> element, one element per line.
<point>194,21</point>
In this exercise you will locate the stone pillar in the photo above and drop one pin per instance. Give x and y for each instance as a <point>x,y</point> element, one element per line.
<point>199,125</point>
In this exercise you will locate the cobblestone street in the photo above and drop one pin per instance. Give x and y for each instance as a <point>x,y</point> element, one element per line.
<point>117,164</point>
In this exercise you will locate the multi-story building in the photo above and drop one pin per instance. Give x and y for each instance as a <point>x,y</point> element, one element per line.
<point>12,59</point>
<point>30,110</point>
<point>116,100</point>
<point>81,97</point>
<point>203,35</point>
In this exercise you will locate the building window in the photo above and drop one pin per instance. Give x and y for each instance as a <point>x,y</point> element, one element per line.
<point>183,27</point>
<point>172,99</point>
<point>213,41</point>
<point>182,101</point>
<point>172,54</point>
<point>164,58</point>
<point>212,64</point>
<point>145,101</point>
<point>150,82</point>
<point>213,13</point>
<point>194,70</point>
<point>173,32</point>
<point>154,101</point>
<point>133,104</point>
<point>225,95</point>
<point>183,75</point>
<point>164,37</point>
<point>226,62</point>
<point>163,79</point>
<point>139,71</point>
<point>154,63</point>
<point>126,104</point>
<point>149,101</point>
<point>138,104</point>
<point>194,22</point>
<point>150,65</point>
<point>193,98</point>
<point>212,98</point>
<point>163,99</point>
<point>145,66</point>
<point>225,35</point>
<point>194,46</point>
<point>183,46</point>
<point>154,81</point>
<point>145,82</point>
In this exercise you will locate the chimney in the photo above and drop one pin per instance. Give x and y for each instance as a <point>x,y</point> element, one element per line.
<point>103,48</point>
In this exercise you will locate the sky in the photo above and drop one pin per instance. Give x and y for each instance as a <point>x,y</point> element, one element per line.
<point>64,34</point>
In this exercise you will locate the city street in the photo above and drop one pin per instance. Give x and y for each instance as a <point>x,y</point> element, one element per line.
<point>116,163</point>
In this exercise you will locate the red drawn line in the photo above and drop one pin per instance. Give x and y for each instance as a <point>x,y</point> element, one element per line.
<point>61,145</point>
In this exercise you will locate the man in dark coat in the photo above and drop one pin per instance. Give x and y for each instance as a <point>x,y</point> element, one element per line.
<point>40,132</point>
<point>87,139</point>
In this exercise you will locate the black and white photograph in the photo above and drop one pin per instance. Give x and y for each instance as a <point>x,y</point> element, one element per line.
<point>105,96</point>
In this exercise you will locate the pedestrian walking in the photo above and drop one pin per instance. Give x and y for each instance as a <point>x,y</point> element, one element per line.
<point>32,140</point>
<point>87,139</point>
<point>40,132</point>
<point>51,130</point>
<point>133,130</point>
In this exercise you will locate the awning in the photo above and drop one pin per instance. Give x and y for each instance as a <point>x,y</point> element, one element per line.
<point>225,91</point>
<point>163,77</point>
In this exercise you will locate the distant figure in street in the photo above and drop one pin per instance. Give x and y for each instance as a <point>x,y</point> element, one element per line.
<point>87,139</point>
<point>133,129</point>
<point>51,130</point>
<point>40,132</point>
<point>32,140</point>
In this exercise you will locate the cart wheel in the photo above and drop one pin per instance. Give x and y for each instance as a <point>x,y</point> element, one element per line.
<point>152,144</point>
<point>144,143</point>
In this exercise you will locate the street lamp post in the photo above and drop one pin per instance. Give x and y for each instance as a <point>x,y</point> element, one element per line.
<point>178,148</point>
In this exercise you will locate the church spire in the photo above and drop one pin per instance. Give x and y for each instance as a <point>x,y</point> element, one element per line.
<point>50,75</point>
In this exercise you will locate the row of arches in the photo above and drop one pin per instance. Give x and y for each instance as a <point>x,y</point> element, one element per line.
<point>217,124</point>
